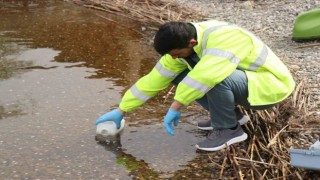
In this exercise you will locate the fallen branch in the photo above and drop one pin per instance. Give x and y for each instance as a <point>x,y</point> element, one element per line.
<point>253,161</point>
<point>237,164</point>
<point>274,139</point>
<point>223,166</point>
<point>308,45</point>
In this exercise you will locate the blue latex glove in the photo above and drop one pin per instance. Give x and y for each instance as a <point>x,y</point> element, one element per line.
<point>172,116</point>
<point>113,115</point>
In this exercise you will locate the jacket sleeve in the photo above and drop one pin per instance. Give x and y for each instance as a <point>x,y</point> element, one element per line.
<point>220,57</point>
<point>149,85</point>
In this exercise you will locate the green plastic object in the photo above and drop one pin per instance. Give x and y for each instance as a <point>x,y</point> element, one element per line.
<point>307,26</point>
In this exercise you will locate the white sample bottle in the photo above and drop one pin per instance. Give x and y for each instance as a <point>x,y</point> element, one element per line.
<point>109,128</point>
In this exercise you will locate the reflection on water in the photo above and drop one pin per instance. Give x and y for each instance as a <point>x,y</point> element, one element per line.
<point>8,65</point>
<point>84,37</point>
<point>136,168</point>
<point>8,111</point>
<point>61,67</point>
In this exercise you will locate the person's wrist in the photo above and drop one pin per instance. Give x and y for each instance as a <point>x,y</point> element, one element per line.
<point>121,111</point>
<point>174,110</point>
<point>176,106</point>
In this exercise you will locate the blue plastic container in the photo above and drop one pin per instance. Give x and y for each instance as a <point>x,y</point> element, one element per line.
<point>302,158</point>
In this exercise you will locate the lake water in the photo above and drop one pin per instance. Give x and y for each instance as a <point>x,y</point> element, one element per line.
<point>61,67</point>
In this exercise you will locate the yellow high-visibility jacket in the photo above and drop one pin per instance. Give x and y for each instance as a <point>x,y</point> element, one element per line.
<point>222,48</point>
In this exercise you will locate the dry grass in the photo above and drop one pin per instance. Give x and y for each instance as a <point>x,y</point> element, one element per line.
<point>272,132</point>
<point>151,11</point>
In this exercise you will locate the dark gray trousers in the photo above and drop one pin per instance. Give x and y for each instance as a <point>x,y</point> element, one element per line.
<point>220,101</point>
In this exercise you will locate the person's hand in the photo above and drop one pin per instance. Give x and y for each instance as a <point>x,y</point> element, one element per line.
<point>172,116</point>
<point>113,115</point>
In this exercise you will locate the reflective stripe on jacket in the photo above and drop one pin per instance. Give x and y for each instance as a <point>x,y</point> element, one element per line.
<point>149,85</point>
<point>222,48</point>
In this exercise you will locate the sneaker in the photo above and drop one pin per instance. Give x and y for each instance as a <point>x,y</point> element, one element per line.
<point>221,138</point>
<point>206,124</point>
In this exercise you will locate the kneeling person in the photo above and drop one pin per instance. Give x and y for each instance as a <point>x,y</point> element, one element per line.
<point>216,64</point>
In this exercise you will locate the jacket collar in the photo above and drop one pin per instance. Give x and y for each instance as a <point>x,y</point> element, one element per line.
<point>200,30</point>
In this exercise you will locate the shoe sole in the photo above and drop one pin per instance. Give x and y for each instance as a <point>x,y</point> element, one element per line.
<point>243,137</point>
<point>242,121</point>
<point>205,128</point>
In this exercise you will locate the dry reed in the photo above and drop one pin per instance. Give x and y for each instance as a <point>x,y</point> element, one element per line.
<point>144,11</point>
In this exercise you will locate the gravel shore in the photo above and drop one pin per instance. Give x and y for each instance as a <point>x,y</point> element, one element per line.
<point>272,21</point>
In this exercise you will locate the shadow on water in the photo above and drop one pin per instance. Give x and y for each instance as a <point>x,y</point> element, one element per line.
<point>61,66</point>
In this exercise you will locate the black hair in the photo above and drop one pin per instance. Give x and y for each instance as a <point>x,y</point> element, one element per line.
<point>173,35</point>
